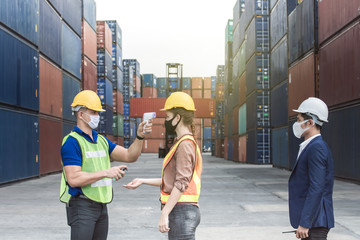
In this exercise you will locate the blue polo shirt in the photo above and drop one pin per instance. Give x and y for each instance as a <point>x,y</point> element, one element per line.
<point>71,153</point>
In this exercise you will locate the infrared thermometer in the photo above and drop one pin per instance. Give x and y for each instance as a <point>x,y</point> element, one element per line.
<point>148,116</point>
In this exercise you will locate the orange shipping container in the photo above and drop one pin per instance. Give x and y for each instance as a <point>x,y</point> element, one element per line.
<point>158,132</point>
<point>158,121</point>
<point>225,148</point>
<point>188,91</point>
<point>207,83</point>
<point>207,93</point>
<point>197,121</point>
<point>137,83</point>
<point>118,102</point>
<point>207,122</point>
<point>50,88</point>
<point>197,93</point>
<point>197,83</point>
<point>153,145</point>
<point>104,36</point>
<point>205,108</point>
<point>301,82</point>
<point>88,42</point>
<point>242,148</point>
<point>236,148</point>
<point>89,75</point>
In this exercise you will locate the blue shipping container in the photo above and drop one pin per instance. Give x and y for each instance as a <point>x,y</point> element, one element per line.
<point>294,143</point>
<point>279,63</point>
<point>128,92</point>
<point>116,32</point>
<point>106,122</point>
<point>71,87</point>
<point>186,83</point>
<point>71,51</point>
<point>89,12</point>
<point>57,4</point>
<point>19,156</point>
<point>279,105</point>
<point>173,85</point>
<point>22,17</point>
<point>117,79</point>
<point>67,128</point>
<point>258,36</point>
<point>280,147</point>
<point>213,83</point>
<point>132,129</point>
<point>258,146</point>
<point>104,64</point>
<point>72,14</point>
<point>128,75</point>
<point>161,83</point>
<point>207,132</point>
<point>50,32</point>
<point>134,63</point>
<point>149,80</point>
<point>258,110</point>
<point>126,109</point>
<point>117,56</point>
<point>19,75</point>
<point>278,27</point>
<point>257,72</point>
<point>105,91</point>
<point>161,93</point>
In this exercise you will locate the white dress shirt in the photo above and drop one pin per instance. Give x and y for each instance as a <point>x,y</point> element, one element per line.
<point>305,143</point>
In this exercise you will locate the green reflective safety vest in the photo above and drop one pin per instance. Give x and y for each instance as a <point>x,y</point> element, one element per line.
<point>95,157</point>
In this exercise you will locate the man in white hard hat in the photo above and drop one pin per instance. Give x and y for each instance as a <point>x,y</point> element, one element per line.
<point>312,178</point>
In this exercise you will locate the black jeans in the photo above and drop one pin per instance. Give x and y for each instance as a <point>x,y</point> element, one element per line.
<point>88,219</point>
<point>319,233</point>
<point>183,220</point>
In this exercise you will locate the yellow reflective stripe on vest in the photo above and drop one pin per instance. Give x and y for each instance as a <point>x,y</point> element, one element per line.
<point>187,195</point>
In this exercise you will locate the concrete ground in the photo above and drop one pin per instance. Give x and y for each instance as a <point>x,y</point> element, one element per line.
<point>238,201</point>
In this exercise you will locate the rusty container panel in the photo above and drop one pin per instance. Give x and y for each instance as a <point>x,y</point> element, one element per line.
<point>220,91</point>
<point>242,148</point>
<point>334,15</point>
<point>207,83</point>
<point>88,42</point>
<point>158,132</point>
<point>197,93</point>
<point>198,131</point>
<point>121,141</point>
<point>225,148</point>
<point>301,82</point>
<point>50,144</point>
<point>153,145</point>
<point>149,92</point>
<point>118,102</point>
<point>242,89</point>
<point>197,83</point>
<point>89,75</point>
<point>236,148</point>
<point>207,93</point>
<point>219,145</point>
<point>158,121</point>
<point>137,82</point>
<point>188,91</point>
<point>104,36</point>
<point>50,88</point>
<point>213,131</point>
<point>197,121</point>
<point>207,122</point>
<point>112,138</point>
<point>235,116</point>
<point>339,69</point>
<point>226,124</point>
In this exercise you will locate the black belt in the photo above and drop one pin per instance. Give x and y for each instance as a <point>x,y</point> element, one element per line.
<point>82,196</point>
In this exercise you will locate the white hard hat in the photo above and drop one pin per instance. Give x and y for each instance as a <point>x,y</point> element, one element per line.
<point>314,107</point>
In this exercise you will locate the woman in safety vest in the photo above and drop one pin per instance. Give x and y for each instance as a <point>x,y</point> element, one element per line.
<point>180,182</point>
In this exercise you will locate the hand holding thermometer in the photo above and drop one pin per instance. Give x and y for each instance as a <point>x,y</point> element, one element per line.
<point>124,170</point>
<point>148,116</point>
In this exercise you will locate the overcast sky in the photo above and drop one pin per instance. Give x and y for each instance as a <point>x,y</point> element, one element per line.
<point>156,32</point>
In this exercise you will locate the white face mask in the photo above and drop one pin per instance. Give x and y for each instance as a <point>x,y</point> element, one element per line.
<point>298,131</point>
<point>94,120</point>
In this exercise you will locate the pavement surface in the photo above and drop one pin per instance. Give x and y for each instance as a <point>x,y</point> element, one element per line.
<point>238,201</point>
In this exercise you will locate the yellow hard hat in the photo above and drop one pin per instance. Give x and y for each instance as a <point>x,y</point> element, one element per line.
<point>88,99</point>
<point>179,99</point>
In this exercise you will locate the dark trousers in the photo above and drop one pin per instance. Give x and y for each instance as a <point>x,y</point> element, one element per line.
<point>183,220</point>
<point>319,233</point>
<point>88,219</point>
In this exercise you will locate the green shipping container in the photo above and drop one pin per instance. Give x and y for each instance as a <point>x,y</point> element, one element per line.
<point>229,31</point>
<point>118,125</point>
<point>242,119</point>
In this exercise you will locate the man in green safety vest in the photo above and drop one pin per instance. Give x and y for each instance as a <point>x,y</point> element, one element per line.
<point>86,184</point>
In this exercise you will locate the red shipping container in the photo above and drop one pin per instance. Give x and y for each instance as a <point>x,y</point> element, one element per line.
<point>121,141</point>
<point>50,139</point>
<point>207,83</point>
<point>220,91</point>
<point>235,116</point>
<point>236,148</point>
<point>153,145</point>
<point>89,75</point>
<point>197,121</point>
<point>339,69</point>
<point>149,92</point>
<point>197,93</point>
<point>219,152</point>
<point>198,131</point>
<point>207,93</point>
<point>112,138</point>
<point>301,82</point>
<point>158,132</point>
<point>207,122</point>
<point>205,108</point>
<point>104,36</point>
<point>213,131</point>
<point>88,42</point>
<point>334,15</point>
<point>50,88</point>
<point>158,121</point>
<point>226,124</point>
<point>242,89</point>
<point>225,148</point>
<point>118,102</point>
<point>242,148</point>
<point>137,84</point>
<point>197,83</point>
